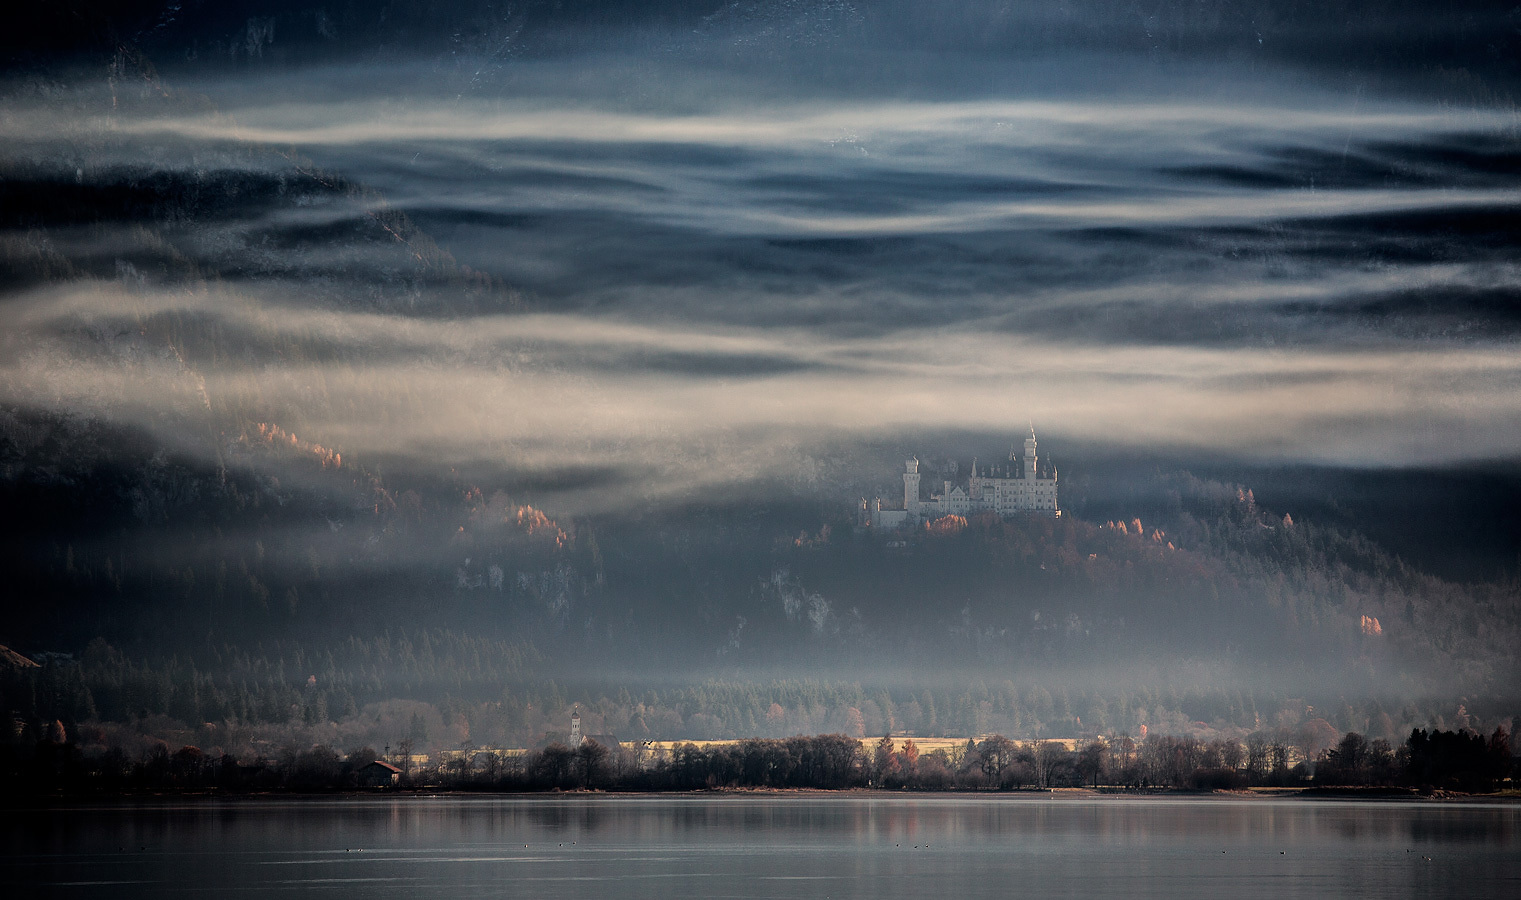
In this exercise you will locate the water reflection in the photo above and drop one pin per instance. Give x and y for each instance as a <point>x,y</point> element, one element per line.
<point>765,846</point>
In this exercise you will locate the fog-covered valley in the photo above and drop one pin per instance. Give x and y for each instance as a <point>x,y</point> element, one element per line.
<point>370,374</point>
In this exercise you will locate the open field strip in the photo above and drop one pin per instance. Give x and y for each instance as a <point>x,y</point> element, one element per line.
<point>924,744</point>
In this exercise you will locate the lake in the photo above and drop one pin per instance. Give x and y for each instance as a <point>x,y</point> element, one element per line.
<point>858,845</point>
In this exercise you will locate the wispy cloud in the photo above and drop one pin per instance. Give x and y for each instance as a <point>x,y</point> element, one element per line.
<point>1040,124</point>
<point>711,295</point>
<point>547,392</point>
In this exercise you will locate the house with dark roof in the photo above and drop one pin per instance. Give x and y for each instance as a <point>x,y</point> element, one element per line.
<point>379,774</point>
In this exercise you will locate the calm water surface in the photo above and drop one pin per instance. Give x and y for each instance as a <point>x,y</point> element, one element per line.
<point>878,847</point>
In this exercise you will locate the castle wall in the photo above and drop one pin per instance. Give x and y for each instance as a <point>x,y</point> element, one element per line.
<point>1016,489</point>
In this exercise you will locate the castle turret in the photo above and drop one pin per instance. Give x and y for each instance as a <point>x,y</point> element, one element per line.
<point>1030,458</point>
<point>911,486</point>
<point>575,728</point>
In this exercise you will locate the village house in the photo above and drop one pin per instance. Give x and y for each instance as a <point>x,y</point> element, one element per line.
<point>379,774</point>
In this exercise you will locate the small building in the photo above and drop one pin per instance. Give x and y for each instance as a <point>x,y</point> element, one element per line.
<point>610,741</point>
<point>379,774</point>
<point>578,737</point>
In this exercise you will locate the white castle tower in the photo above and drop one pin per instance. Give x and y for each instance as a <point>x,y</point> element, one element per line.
<point>911,486</point>
<point>575,729</point>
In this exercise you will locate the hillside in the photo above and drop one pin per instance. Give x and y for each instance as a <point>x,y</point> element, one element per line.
<point>116,538</point>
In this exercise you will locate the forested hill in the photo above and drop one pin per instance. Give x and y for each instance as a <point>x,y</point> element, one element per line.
<point>286,544</point>
<point>228,492</point>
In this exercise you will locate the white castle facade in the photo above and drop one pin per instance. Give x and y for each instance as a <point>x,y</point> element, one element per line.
<point>1021,486</point>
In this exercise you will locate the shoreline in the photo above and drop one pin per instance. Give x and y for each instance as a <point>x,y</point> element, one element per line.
<point>1326,794</point>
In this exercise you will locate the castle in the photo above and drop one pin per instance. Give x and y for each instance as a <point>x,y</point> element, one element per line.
<point>1019,487</point>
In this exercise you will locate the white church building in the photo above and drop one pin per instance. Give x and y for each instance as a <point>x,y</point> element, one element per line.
<point>1021,486</point>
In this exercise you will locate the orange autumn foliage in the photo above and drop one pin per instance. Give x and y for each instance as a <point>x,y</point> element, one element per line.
<point>276,436</point>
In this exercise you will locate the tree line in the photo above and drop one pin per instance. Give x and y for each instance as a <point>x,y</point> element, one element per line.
<point>446,690</point>
<point>1427,761</point>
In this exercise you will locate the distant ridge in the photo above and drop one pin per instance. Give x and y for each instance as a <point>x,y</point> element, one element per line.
<point>15,660</point>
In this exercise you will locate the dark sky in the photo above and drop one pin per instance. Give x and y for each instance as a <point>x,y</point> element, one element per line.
<point>692,244</point>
